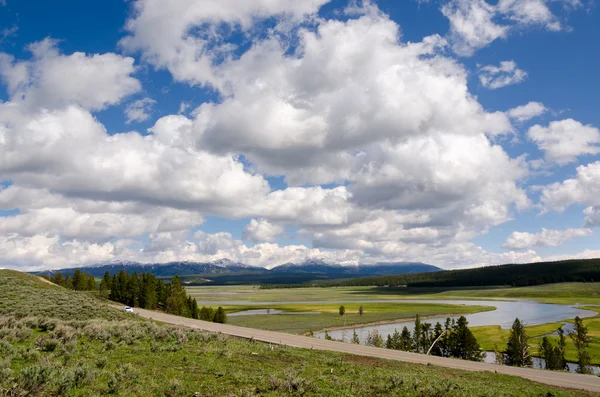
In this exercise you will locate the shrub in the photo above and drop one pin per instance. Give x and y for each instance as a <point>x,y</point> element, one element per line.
<point>34,378</point>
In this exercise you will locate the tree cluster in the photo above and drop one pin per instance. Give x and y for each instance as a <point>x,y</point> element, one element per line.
<point>79,282</point>
<point>517,348</point>
<point>148,292</point>
<point>453,339</point>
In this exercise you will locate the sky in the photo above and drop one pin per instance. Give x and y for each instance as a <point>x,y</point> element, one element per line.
<point>458,133</point>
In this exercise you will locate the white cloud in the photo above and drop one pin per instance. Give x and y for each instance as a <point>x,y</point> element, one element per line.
<point>583,189</point>
<point>471,25</point>
<point>262,230</point>
<point>563,141</point>
<point>51,79</point>
<point>187,37</point>
<point>507,73</point>
<point>474,24</point>
<point>139,110</point>
<point>416,155</point>
<point>545,238</point>
<point>527,112</point>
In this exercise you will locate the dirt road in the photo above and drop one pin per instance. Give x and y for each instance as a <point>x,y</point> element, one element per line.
<point>560,379</point>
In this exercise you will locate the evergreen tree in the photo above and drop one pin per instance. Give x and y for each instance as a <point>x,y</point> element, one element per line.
<point>107,281</point>
<point>220,316</point>
<point>206,314</point>
<point>498,355</point>
<point>562,348</point>
<point>406,342</point>
<point>360,311</point>
<point>517,348</point>
<point>177,300</point>
<point>463,344</point>
<point>582,343</point>
<point>438,347</point>
<point>91,283</point>
<point>355,338</point>
<point>58,279</point>
<point>417,334</point>
<point>131,290</point>
<point>77,280</point>
<point>342,310</point>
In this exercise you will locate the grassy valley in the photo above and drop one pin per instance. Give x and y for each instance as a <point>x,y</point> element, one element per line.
<point>82,347</point>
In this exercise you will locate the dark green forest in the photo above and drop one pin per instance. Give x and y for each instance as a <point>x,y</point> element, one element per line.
<point>516,275</point>
<point>510,275</point>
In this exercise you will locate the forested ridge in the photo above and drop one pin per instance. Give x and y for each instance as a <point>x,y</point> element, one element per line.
<point>518,275</point>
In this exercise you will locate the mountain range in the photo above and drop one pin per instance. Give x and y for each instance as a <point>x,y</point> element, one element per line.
<point>225,271</point>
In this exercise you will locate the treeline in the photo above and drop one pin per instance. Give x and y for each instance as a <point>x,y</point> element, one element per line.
<point>148,292</point>
<point>145,291</point>
<point>517,351</point>
<point>517,275</point>
<point>79,282</point>
<point>453,339</point>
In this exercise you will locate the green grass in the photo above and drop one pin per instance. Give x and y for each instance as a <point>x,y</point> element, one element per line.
<point>563,293</point>
<point>23,295</point>
<point>76,355</point>
<point>329,317</point>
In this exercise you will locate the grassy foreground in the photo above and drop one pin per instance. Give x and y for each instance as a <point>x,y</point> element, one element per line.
<point>43,355</point>
<point>326,316</point>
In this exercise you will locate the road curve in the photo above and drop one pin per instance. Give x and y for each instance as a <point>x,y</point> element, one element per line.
<point>559,379</point>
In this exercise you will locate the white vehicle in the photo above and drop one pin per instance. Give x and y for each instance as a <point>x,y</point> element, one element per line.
<point>128,309</point>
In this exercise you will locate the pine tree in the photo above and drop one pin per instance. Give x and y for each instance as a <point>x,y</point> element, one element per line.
<point>107,280</point>
<point>220,316</point>
<point>58,279</point>
<point>77,280</point>
<point>342,310</point>
<point>517,348</point>
<point>582,343</point>
<point>464,344</point>
<point>177,300</point>
<point>417,333</point>
<point>406,342</point>
<point>91,283</point>
<point>360,311</point>
<point>374,339</point>
<point>206,314</point>
<point>438,347</point>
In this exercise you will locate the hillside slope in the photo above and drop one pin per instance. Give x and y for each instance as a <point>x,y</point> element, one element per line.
<point>23,295</point>
<point>43,356</point>
<point>577,270</point>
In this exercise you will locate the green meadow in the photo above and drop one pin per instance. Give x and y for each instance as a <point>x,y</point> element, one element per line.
<point>57,342</point>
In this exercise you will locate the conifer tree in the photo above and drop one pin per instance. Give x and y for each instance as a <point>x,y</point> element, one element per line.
<point>91,283</point>
<point>361,311</point>
<point>177,300</point>
<point>582,343</point>
<point>463,343</point>
<point>517,348</point>
<point>406,342</point>
<point>342,310</point>
<point>417,333</point>
<point>206,314</point>
<point>220,316</point>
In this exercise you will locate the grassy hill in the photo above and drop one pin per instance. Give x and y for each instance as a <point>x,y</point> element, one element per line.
<point>59,342</point>
<point>540,273</point>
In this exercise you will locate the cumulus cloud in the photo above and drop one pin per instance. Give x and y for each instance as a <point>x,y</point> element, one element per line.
<point>186,37</point>
<point>563,141</point>
<point>507,73</point>
<point>474,24</point>
<point>545,238</point>
<point>411,155</point>
<point>527,112</point>
<point>584,189</point>
<point>52,79</point>
<point>139,110</point>
<point>262,230</point>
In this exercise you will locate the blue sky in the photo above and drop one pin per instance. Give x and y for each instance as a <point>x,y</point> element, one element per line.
<point>459,133</point>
